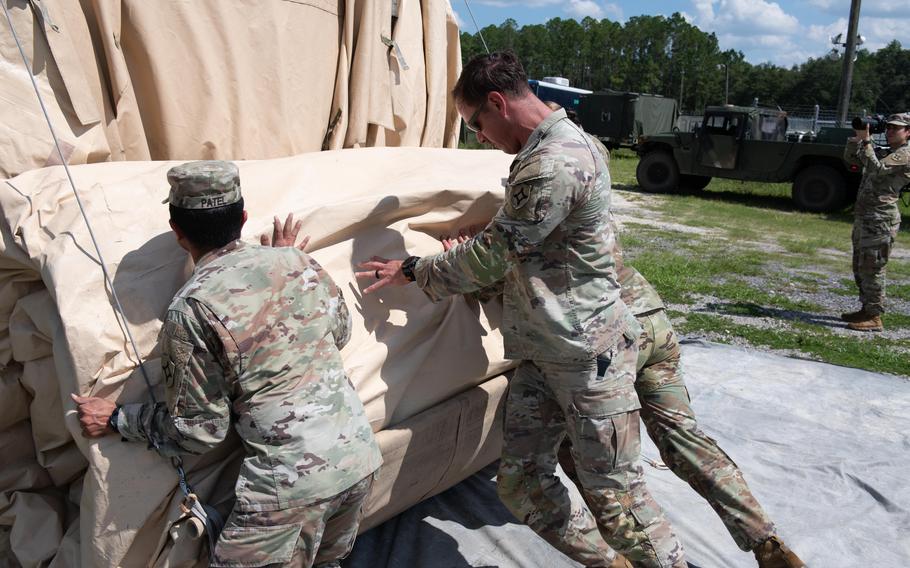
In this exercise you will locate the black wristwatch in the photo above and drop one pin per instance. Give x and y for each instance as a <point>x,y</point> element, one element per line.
<point>407,267</point>
<point>112,421</point>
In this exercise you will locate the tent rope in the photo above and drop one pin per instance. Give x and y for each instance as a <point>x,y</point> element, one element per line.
<point>208,516</point>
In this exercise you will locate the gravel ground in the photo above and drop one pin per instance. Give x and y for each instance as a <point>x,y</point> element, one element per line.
<point>829,292</point>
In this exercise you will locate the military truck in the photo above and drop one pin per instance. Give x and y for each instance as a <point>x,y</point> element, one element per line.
<point>751,144</point>
<point>620,118</point>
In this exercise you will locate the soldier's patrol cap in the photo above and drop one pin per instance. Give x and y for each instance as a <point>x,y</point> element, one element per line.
<point>203,185</point>
<point>900,119</point>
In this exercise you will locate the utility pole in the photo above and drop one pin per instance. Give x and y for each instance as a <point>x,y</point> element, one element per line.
<point>682,82</point>
<point>843,100</point>
<point>726,81</point>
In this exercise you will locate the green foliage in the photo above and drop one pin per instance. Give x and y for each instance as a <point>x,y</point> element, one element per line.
<point>671,57</point>
<point>875,354</point>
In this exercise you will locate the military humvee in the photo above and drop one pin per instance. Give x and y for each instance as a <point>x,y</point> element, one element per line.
<point>751,144</point>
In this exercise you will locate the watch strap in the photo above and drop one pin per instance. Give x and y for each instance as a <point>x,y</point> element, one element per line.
<point>407,267</point>
<point>112,420</point>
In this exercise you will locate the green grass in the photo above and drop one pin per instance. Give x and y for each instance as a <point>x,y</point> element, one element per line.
<point>896,321</point>
<point>747,250</point>
<point>810,340</point>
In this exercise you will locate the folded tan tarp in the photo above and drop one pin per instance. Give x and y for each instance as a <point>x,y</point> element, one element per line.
<point>423,370</point>
<point>224,79</point>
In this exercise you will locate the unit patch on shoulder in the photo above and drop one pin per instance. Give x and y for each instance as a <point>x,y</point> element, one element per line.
<point>520,197</point>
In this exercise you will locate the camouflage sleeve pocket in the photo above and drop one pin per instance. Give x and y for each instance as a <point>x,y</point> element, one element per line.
<point>528,201</point>
<point>528,192</point>
<point>175,357</point>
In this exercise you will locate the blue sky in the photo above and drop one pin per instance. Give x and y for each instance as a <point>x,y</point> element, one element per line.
<point>784,32</point>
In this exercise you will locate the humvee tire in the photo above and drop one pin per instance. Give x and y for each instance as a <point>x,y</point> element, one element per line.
<point>694,183</point>
<point>657,172</point>
<point>819,189</point>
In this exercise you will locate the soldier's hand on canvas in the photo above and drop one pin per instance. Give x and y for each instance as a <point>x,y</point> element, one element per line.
<point>94,415</point>
<point>285,234</point>
<point>464,235</point>
<point>386,273</point>
<point>450,243</point>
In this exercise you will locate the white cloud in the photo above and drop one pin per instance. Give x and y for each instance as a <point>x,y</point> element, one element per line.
<point>744,16</point>
<point>825,4</point>
<point>582,8</point>
<point>879,32</point>
<point>704,10</point>
<point>614,11</point>
<point>821,35</point>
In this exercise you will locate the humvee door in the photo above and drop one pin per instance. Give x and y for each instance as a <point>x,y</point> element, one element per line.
<point>718,140</point>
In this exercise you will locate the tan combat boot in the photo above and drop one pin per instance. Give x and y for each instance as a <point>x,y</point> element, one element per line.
<point>858,315</point>
<point>870,323</point>
<point>774,554</point>
<point>620,562</point>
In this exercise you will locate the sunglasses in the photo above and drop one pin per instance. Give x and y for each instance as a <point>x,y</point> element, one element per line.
<point>471,123</point>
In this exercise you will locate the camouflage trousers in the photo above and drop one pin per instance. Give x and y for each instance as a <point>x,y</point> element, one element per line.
<point>689,453</point>
<point>319,534</point>
<point>872,242</point>
<point>595,405</point>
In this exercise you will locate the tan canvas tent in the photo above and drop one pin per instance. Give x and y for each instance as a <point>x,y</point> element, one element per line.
<point>232,79</point>
<point>414,363</point>
<point>130,81</point>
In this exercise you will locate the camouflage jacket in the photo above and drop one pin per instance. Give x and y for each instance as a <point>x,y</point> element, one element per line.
<point>885,172</point>
<point>551,243</point>
<point>253,339</point>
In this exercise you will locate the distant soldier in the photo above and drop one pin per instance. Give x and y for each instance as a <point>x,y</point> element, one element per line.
<point>252,340</point>
<point>876,215</point>
<point>563,320</point>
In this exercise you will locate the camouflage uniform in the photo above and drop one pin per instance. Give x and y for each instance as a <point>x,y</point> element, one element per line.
<point>253,339</point>
<point>551,244</point>
<point>876,217</point>
<point>666,411</point>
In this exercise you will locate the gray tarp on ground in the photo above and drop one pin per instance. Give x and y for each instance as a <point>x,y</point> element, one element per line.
<point>826,449</point>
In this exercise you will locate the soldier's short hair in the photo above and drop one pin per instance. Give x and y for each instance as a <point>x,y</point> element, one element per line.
<point>212,228</point>
<point>500,71</point>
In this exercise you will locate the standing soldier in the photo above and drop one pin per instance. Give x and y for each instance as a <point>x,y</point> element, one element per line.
<point>876,215</point>
<point>253,339</point>
<point>563,320</point>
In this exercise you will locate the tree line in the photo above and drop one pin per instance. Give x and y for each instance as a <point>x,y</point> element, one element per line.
<point>669,56</point>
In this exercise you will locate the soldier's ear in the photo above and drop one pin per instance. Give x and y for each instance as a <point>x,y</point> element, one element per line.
<point>244,218</point>
<point>181,236</point>
<point>497,100</point>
